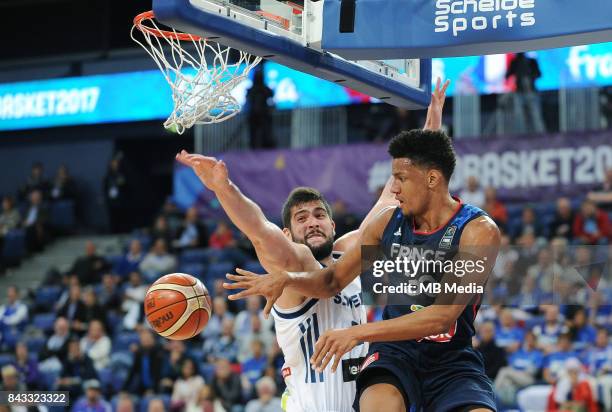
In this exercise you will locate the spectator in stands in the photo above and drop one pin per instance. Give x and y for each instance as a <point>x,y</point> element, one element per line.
<point>156,405</point>
<point>219,314</point>
<point>109,296</point>
<point>161,230</point>
<point>36,181</point>
<point>583,334</point>
<point>55,351</point>
<point>602,195</point>
<point>91,309</point>
<point>599,363</point>
<point>259,331</point>
<point>220,291</point>
<point>242,326</point>
<point>187,387</point>
<point>547,334</point>
<point>173,363</point>
<point>494,356</point>
<point>473,193</point>
<point>398,120</point>
<point>74,310</point>
<point>35,222</point>
<point>96,345</point>
<point>131,260</point>
<point>591,225</point>
<point>526,71</point>
<point>89,268</point>
<point>173,216</point>
<point>63,187</point>
<point>554,362</point>
<point>76,369</point>
<point>125,403</point>
<point>544,271</point>
<point>158,261</point>
<point>226,385</point>
<point>523,367</point>
<point>506,257</point>
<point>192,233</point>
<point>146,371</point>
<point>225,346</point>
<point>266,400</point>
<point>561,226</point>
<point>10,379</point>
<point>344,220</point>
<point>508,336</point>
<point>133,299</point>
<point>529,224</point>
<point>93,401</point>
<point>10,218</point>
<point>13,317</point>
<point>27,367</point>
<point>573,391</point>
<point>254,366</point>
<point>260,102</point>
<point>207,401</point>
<point>528,252</point>
<point>116,196</point>
<point>495,208</point>
<point>222,237</point>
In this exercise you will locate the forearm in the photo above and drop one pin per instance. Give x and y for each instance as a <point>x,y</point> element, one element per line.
<point>242,211</point>
<point>426,322</point>
<point>322,284</point>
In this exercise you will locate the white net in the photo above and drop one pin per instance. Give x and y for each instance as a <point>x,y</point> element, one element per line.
<point>199,72</point>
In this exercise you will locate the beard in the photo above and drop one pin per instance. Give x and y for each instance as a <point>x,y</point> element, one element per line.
<point>323,250</point>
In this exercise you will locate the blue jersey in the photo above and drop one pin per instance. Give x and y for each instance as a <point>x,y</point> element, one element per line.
<point>400,239</point>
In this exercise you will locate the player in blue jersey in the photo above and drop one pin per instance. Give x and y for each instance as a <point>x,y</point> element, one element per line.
<point>421,356</point>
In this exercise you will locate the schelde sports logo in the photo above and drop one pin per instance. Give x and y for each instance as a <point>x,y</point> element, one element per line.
<point>457,16</point>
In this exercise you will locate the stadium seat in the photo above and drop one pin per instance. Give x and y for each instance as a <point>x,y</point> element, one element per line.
<point>123,340</point>
<point>44,321</point>
<point>121,359</point>
<point>208,371</point>
<point>14,248</point>
<point>218,270</point>
<point>195,269</point>
<point>36,344</point>
<point>47,296</point>
<point>193,256</point>
<point>6,358</point>
<point>213,255</point>
<point>62,215</point>
<point>254,266</point>
<point>113,320</point>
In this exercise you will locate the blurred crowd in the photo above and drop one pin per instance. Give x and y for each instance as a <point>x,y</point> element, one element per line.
<point>544,331</point>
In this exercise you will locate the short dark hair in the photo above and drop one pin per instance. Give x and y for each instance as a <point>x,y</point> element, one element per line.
<point>301,195</point>
<point>430,148</point>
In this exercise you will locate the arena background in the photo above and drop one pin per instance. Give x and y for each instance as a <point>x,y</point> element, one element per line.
<point>96,187</point>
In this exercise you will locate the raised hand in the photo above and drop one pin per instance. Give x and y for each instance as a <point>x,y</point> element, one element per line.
<point>212,172</point>
<point>436,106</point>
<point>270,286</point>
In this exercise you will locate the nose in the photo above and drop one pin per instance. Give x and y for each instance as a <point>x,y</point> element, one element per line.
<point>395,187</point>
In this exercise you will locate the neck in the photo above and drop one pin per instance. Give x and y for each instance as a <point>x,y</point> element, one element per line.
<point>440,209</point>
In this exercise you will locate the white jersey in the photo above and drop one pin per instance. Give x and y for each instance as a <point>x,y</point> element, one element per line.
<point>297,331</point>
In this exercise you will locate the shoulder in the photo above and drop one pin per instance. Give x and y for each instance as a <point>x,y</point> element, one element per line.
<point>481,230</point>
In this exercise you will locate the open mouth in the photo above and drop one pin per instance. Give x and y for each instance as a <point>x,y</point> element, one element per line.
<point>315,235</point>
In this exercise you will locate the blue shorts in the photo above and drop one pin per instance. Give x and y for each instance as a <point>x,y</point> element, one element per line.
<point>441,380</point>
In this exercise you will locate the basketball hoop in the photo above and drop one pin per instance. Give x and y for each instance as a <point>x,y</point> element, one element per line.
<point>201,78</point>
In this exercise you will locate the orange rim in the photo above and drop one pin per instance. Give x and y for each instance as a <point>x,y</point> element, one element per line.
<point>150,15</point>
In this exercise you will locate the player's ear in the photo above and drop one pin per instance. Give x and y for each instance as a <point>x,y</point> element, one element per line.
<point>433,178</point>
<point>287,233</point>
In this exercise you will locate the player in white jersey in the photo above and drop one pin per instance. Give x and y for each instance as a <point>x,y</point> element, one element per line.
<point>304,244</point>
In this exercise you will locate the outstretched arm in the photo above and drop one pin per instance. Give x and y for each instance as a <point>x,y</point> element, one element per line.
<point>433,122</point>
<point>273,248</point>
<point>323,283</point>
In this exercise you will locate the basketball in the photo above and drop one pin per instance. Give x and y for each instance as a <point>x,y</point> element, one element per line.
<point>177,306</point>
